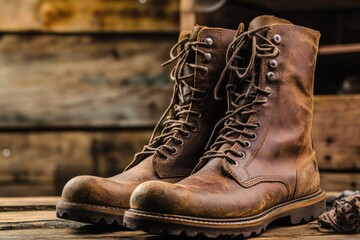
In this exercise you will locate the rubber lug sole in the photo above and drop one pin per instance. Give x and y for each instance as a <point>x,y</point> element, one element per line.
<point>293,212</point>
<point>88,213</point>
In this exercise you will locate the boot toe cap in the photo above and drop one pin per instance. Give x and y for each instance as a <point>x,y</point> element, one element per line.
<point>157,196</point>
<point>96,190</point>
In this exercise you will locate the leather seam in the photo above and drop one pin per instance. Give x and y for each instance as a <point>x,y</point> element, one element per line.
<point>300,170</point>
<point>259,216</point>
<point>273,115</point>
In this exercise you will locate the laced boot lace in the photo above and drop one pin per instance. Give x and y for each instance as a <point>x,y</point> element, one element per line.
<point>244,92</point>
<point>175,118</point>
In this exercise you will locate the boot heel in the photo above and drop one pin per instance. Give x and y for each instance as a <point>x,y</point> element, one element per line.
<point>307,213</point>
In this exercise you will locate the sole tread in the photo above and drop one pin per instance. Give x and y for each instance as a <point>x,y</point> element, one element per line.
<point>98,215</point>
<point>296,212</point>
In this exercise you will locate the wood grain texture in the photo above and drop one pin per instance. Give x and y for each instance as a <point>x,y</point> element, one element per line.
<point>281,5</point>
<point>35,224</point>
<point>337,132</point>
<point>89,16</point>
<point>11,204</point>
<point>338,181</point>
<point>41,163</point>
<point>338,49</point>
<point>83,80</point>
<point>47,228</point>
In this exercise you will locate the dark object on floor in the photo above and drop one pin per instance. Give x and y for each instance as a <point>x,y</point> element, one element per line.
<point>344,216</point>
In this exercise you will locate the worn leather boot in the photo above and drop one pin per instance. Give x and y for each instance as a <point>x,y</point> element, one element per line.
<point>262,165</point>
<point>171,155</point>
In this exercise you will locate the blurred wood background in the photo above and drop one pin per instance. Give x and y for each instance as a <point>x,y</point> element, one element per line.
<point>81,85</point>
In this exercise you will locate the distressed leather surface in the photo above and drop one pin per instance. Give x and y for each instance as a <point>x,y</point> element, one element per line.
<point>116,191</point>
<point>280,163</point>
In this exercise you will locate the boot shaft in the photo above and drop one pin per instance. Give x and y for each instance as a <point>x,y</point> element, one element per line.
<point>282,142</point>
<point>193,112</point>
<point>268,132</point>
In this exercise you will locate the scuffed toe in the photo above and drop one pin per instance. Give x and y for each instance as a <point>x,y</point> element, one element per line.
<point>97,191</point>
<point>157,196</point>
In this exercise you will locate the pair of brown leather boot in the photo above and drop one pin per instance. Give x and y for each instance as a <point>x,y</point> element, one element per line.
<point>247,98</point>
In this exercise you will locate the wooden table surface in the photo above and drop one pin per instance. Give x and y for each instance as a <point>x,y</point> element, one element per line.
<point>34,218</point>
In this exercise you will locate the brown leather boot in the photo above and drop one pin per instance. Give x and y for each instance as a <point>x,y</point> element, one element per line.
<point>186,127</point>
<point>262,166</point>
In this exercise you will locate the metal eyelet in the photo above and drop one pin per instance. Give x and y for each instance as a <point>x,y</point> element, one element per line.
<point>273,64</point>
<point>164,158</point>
<point>267,90</point>
<point>179,142</point>
<point>193,128</point>
<point>199,115</point>
<point>258,124</point>
<point>234,163</point>
<point>253,136</point>
<point>205,72</point>
<point>208,42</point>
<point>276,39</point>
<point>173,151</point>
<point>242,154</point>
<point>186,135</point>
<point>246,144</point>
<point>206,57</point>
<point>270,76</point>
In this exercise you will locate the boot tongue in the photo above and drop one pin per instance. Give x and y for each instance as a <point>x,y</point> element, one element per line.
<point>195,32</point>
<point>266,20</point>
<point>191,59</point>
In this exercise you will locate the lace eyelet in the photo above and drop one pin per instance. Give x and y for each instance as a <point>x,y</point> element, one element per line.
<point>186,135</point>
<point>206,57</point>
<point>276,39</point>
<point>201,103</point>
<point>273,64</point>
<point>268,90</point>
<point>164,158</point>
<point>234,163</point>
<point>258,125</point>
<point>242,154</point>
<point>270,76</point>
<point>208,42</point>
<point>253,136</point>
<point>173,151</point>
<point>205,72</point>
<point>179,142</point>
<point>246,144</point>
<point>199,115</point>
<point>193,128</point>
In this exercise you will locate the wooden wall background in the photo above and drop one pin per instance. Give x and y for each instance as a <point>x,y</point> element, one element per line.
<point>81,88</point>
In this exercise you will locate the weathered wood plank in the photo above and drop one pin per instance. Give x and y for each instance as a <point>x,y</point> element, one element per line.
<point>51,229</point>
<point>44,162</point>
<point>89,16</point>
<point>44,225</point>
<point>39,163</point>
<point>29,189</point>
<point>26,216</point>
<point>331,181</point>
<point>337,132</point>
<point>83,80</point>
<point>8,204</point>
<point>282,5</point>
<point>339,49</point>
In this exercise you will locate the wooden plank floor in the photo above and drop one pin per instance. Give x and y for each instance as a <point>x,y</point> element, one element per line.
<point>34,218</point>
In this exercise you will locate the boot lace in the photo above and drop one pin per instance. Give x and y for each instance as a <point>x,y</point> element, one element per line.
<point>241,99</point>
<point>174,119</point>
